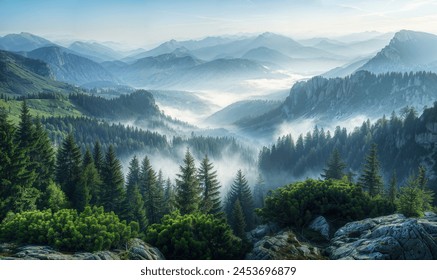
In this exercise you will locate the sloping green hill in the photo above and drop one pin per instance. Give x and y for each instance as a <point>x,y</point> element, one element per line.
<point>23,76</point>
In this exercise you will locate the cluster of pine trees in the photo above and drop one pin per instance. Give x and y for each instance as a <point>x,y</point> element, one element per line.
<point>36,178</point>
<point>395,137</point>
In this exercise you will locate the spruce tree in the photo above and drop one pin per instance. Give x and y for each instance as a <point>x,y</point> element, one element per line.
<point>98,157</point>
<point>152,195</point>
<point>69,169</point>
<point>43,157</point>
<point>334,167</point>
<point>371,179</point>
<point>210,203</point>
<point>136,210</point>
<point>422,180</point>
<point>240,190</point>
<point>188,192</point>
<point>88,184</point>
<point>169,197</point>
<point>392,188</point>
<point>14,175</point>
<point>238,223</point>
<point>113,192</point>
<point>259,192</point>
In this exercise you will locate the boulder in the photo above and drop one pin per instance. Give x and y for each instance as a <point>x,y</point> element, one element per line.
<point>284,245</point>
<point>260,231</point>
<point>140,250</point>
<point>389,237</point>
<point>321,225</point>
<point>136,250</point>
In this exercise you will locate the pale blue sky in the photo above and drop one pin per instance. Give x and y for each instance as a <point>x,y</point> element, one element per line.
<point>143,22</point>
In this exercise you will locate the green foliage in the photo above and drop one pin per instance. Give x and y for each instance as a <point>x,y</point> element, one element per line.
<point>240,191</point>
<point>135,208</point>
<point>298,203</point>
<point>370,179</point>
<point>113,193</point>
<point>68,169</point>
<point>210,203</point>
<point>169,198</point>
<point>238,222</point>
<point>55,197</point>
<point>335,167</point>
<point>195,236</point>
<point>153,194</point>
<point>414,198</point>
<point>187,186</point>
<point>91,230</point>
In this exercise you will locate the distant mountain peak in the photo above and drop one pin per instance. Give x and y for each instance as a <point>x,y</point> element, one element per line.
<point>408,35</point>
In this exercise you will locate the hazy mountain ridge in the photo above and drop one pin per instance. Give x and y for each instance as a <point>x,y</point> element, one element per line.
<point>95,51</point>
<point>21,76</point>
<point>23,42</point>
<point>362,93</point>
<point>69,67</point>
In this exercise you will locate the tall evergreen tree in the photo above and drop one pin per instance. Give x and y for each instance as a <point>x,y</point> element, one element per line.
<point>240,190</point>
<point>392,188</point>
<point>238,223</point>
<point>169,197</point>
<point>88,184</point>
<point>188,192</point>
<point>422,180</point>
<point>98,157</point>
<point>152,195</point>
<point>371,179</point>
<point>113,192</point>
<point>14,175</point>
<point>259,192</point>
<point>136,210</point>
<point>334,167</point>
<point>69,170</point>
<point>210,203</point>
<point>43,157</point>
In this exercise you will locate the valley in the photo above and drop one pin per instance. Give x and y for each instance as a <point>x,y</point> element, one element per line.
<point>257,116</point>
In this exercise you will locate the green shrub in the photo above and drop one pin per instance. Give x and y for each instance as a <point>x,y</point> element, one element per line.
<point>91,230</point>
<point>195,236</point>
<point>297,204</point>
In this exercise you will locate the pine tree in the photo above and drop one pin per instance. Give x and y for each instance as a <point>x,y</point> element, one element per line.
<point>14,175</point>
<point>69,169</point>
<point>334,167</point>
<point>152,195</point>
<point>422,180</point>
<point>169,198</point>
<point>240,190</point>
<point>188,192</point>
<point>210,203</point>
<point>238,223</point>
<point>98,157</point>
<point>113,192</point>
<point>392,188</point>
<point>88,184</point>
<point>43,157</point>
<point>136,210</point>
<point>371,179</point>
<point>259,192</point>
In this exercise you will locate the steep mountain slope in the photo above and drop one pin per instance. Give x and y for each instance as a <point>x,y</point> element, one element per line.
<point>71,68</point>
<point>22,42</point>
<point>363,93</point>
<point>242,110</point>
<point>21,76</point>
<point>95,51</point>
<point>407,51</point>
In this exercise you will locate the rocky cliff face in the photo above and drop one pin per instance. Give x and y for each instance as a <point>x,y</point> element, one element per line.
<point>387,238</point>
<point>136,250</point>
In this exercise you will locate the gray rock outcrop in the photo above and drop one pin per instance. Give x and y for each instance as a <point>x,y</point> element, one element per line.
<point>390,238</point>
<point>136,250</point>
<point>284,245</point>
<point>321,225</point>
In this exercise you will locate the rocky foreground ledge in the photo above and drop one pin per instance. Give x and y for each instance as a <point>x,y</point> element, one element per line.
<point>393,237</point>
<point>136,250</point>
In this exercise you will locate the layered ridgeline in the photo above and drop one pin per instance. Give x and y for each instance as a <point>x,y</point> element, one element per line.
<point>362,94</point>
<point>407,51</point>
<point>21,76</point>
